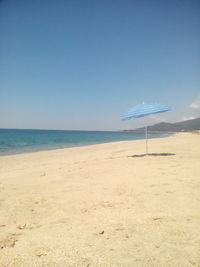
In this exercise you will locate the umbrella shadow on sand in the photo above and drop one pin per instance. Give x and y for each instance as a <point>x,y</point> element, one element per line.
<point>152,154</point>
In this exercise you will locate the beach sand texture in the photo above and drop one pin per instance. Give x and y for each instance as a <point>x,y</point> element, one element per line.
<point>96,206</point>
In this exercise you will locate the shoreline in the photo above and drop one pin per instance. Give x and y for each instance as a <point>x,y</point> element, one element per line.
<point>97,206</point>
<point>41,148</point>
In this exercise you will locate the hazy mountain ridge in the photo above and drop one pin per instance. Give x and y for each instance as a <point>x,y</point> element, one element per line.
<point>183,126</point>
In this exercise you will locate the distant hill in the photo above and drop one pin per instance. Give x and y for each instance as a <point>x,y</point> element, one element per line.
<point>183,126</point>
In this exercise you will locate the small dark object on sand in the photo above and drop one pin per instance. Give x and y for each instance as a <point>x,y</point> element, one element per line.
<point>101,233</point>
<point>152,154</point>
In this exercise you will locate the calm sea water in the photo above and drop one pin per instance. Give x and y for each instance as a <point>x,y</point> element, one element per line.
<point>21,141</point>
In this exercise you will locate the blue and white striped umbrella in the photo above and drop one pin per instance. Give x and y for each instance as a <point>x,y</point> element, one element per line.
<point>142,110</point>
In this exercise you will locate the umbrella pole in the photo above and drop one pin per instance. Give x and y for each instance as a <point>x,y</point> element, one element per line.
<point>146,136</point>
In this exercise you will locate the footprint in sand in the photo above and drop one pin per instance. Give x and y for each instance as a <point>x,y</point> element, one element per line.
<point>25,226</point>
<point>157,218</point>
<point>41,252</point>
<point>107,204</point>
<point>9,241</point>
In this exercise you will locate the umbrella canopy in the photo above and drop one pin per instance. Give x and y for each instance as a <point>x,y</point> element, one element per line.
<point>142,110</point>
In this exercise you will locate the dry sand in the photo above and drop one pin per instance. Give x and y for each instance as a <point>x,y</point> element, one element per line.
<point>95,206</point>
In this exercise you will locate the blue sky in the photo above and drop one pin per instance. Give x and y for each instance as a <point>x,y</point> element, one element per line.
<point>81,64</point>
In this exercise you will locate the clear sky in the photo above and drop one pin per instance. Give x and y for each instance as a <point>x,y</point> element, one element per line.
<point>80,64</point>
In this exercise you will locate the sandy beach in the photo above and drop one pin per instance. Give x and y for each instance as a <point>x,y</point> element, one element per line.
<point>96,206</point>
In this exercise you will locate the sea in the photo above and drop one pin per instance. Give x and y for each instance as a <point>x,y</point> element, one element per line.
<point>15,141</point>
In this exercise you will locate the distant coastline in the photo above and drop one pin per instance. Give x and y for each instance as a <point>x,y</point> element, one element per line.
<point>183,126</point>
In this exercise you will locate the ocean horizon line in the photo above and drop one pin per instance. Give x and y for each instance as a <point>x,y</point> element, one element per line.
<point>78,130</point>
